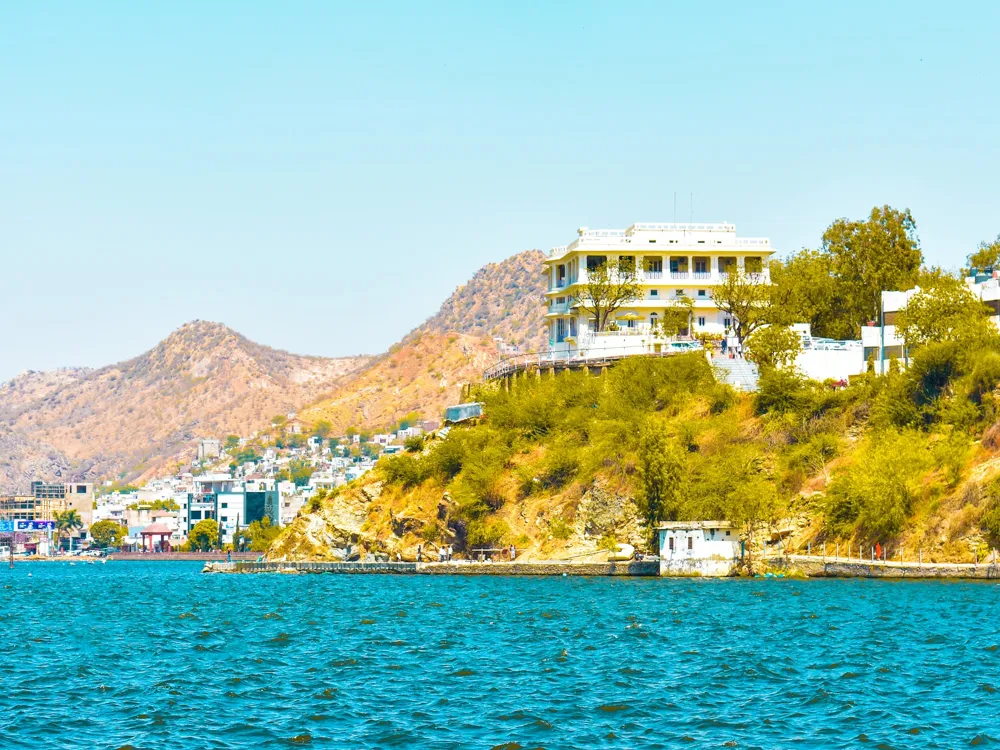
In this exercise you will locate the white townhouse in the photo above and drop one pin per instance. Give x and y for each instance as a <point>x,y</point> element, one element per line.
<point>880,339</point>
<point>672,262</point>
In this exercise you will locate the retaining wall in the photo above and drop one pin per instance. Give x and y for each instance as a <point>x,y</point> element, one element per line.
<point>498,568</point>
<point>819,568</point>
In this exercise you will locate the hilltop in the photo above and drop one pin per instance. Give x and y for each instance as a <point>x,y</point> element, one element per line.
<point>203,380</point>
<point>502,301</point>
<point>425,371</point>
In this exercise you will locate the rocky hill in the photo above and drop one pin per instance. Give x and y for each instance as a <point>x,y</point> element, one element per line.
<point>204,380</point>
<point>565,467</point>
<point>425,371</point>
<point>423,374</point>
<point>207,380</point>
<point>502,301</point>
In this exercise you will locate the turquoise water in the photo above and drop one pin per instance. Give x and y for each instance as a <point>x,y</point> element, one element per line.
<point>160,656</point>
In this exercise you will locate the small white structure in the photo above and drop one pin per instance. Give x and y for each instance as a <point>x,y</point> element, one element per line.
<point>698,548</point>
<point>827,359</point>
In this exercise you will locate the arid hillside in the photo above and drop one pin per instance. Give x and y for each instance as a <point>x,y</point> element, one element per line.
<point>425,372</point>
<point>502,300</point>
<point>203,380</point>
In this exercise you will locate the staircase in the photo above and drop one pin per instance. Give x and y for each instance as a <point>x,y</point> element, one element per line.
<point>738,373</point>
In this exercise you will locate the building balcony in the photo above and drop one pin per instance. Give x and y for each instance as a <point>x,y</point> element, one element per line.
<point>652,275</point>
<point>679,275</point>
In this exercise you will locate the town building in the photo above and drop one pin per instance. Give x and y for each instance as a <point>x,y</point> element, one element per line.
<point>706,548</point>
<point>209,448</point>
<point>59,497</point>
<point>881,341</point>
<point>673,263</point>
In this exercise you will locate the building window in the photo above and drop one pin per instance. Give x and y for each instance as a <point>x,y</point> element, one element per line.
<point>224,519</point>
<point>670,544</point>
<point>727,322</point>
<point>225,505</point>
<point>701,321</point>
<point>701,266</point>
<point>652,242</point>
<point>678,292</point>
<point>690,542</point>
<point>654,293</point>
<point>702,293</point>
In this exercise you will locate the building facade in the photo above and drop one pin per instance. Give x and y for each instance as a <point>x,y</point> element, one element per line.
<point>705,548</point>
<point>673,263</point>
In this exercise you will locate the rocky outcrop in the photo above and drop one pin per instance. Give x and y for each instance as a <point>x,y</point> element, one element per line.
<point>603,512</point>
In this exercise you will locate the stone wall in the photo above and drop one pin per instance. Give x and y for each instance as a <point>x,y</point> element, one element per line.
<point>644,568</point>
<point>818,568</point>
<point>711,568</point>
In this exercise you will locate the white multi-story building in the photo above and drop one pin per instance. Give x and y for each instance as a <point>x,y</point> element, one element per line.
<point>882,342</point>
<point>672,262</point>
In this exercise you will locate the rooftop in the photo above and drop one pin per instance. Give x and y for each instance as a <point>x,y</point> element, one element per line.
<point>676,233</point>
<point>694,525</point>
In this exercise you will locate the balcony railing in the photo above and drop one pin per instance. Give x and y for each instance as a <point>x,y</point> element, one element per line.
<point>678,274</point>
<point>652,275</point>
<point>702,275</point>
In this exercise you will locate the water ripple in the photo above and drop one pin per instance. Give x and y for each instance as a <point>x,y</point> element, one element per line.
<point>140,655</point>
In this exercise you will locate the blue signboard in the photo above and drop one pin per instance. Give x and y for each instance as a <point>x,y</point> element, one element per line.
<point>10,526</point>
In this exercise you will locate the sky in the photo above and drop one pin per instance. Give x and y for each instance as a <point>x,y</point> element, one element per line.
<point>321,176</point>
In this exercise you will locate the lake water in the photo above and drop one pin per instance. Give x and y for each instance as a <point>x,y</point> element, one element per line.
<point>151,655</point>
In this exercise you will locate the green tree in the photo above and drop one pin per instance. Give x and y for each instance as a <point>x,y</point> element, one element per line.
<point>947,311</point>
<point>205,535</point>
<point>986,256</point>
<point>745,299</point>
<point>279,420</point>
<point>607,288</point>
<point>68,523</point>
<point>107,533</point>
<point>232,443</point>
<point>259,535</point>
<point>754,507</point>
<point>661,475</point>
<point>880,253</point>
<point>676,317</point>
<point>773,346</point>
<point>322,428</point>
<point>804,290</point>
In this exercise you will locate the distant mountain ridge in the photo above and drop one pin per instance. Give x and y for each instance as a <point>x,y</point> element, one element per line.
<point>206,380</point>
<point>203,380</point>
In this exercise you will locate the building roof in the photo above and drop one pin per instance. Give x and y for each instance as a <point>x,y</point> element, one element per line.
<point>156,528</point>
<point>694,525</point>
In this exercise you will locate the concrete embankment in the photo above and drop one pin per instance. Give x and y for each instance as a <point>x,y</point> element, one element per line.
<point>817,567</point>
<point>546,568</point>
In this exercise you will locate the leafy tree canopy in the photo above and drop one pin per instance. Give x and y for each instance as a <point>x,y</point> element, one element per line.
<point>107,533</point>
<point>205,535</point>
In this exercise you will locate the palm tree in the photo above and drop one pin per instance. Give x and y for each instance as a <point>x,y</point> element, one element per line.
<point>67,522</point>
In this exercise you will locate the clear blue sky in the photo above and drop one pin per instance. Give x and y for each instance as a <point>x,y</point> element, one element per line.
<point>320,176</point>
